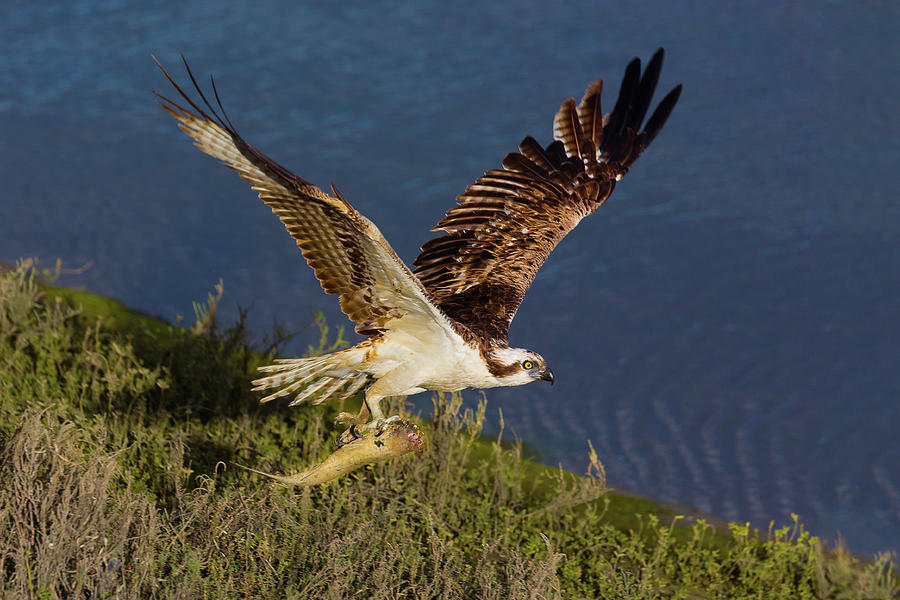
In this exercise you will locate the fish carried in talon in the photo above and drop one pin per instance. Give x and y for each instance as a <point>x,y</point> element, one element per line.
<point>399,437</point>
<point>443,325</point>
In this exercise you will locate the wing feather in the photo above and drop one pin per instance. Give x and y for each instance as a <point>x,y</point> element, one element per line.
<point>567,127</point>
<point>348,254</point>
<point>506,223</point>
<point>590,113</point>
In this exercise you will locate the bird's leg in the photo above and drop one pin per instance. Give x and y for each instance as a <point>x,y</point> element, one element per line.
<point>398,379</point>
<point>379,423</point>
<point>373,402</point>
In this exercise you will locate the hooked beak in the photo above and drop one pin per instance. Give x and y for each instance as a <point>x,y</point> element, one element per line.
<point>546,374</point>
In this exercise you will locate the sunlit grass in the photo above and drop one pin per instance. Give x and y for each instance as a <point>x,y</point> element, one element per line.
<point>118,433</point>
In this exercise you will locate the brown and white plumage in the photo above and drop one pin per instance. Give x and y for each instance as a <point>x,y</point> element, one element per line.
<point>443,327</point>
<point>349,255</point>
<point>506,223</point>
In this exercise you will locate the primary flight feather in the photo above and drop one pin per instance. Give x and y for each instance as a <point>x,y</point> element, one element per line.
<point>443,326</point>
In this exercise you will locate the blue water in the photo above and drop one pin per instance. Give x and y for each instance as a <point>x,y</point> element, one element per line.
<point>725,330</point>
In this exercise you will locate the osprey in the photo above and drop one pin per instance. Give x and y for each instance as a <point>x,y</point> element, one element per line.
<point>442,326</point>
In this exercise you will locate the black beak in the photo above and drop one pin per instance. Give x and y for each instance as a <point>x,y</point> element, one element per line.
<point>546,375</point>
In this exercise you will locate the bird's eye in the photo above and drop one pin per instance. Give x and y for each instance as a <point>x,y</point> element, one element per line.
<point>527,364</point>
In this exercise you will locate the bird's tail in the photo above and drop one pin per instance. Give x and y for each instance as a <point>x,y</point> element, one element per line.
<point>319,378</point>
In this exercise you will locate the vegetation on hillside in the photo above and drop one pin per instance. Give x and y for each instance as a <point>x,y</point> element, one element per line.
<point>118,435</point>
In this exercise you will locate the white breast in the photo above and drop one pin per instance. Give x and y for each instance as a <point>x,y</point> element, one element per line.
<point>437,361</point>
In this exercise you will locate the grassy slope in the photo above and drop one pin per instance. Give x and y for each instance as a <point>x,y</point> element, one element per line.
<point>118,432</point>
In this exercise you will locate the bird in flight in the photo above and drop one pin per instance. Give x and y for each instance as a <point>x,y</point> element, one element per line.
<point>441,326</point>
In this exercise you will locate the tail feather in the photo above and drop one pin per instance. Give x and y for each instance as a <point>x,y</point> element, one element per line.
<point>312,389</point>
<point>287,390</point>
<point>325,393</point>
<point>319,377</point>
<point>291,375</point>
<point>354,386</point>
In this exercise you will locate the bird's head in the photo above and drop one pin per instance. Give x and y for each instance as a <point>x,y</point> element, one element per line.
<point>518,366</point>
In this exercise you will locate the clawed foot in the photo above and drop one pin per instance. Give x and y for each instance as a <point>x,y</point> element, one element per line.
<point>350,435</point>
<point>379,426</point>
<point>346,418</point>
<point>354,421</point>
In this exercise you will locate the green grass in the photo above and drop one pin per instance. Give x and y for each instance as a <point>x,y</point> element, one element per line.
<point>118,436</point>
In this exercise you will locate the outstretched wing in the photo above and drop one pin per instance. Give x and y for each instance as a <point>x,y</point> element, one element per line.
<point>506,224</point>
<point>348,253</point>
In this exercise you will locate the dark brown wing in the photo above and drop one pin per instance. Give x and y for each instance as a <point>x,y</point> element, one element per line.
<point>348,253</point>
<point>506,224</point>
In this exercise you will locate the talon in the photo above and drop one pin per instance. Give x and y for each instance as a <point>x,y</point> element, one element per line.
<point>377,426</point>
<point>348,437</point>
<point>381,425</point>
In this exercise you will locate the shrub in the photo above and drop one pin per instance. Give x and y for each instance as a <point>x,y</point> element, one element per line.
<point>118,434</point>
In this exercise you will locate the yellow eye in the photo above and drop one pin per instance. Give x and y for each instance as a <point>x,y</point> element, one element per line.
<point>527,364</point>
